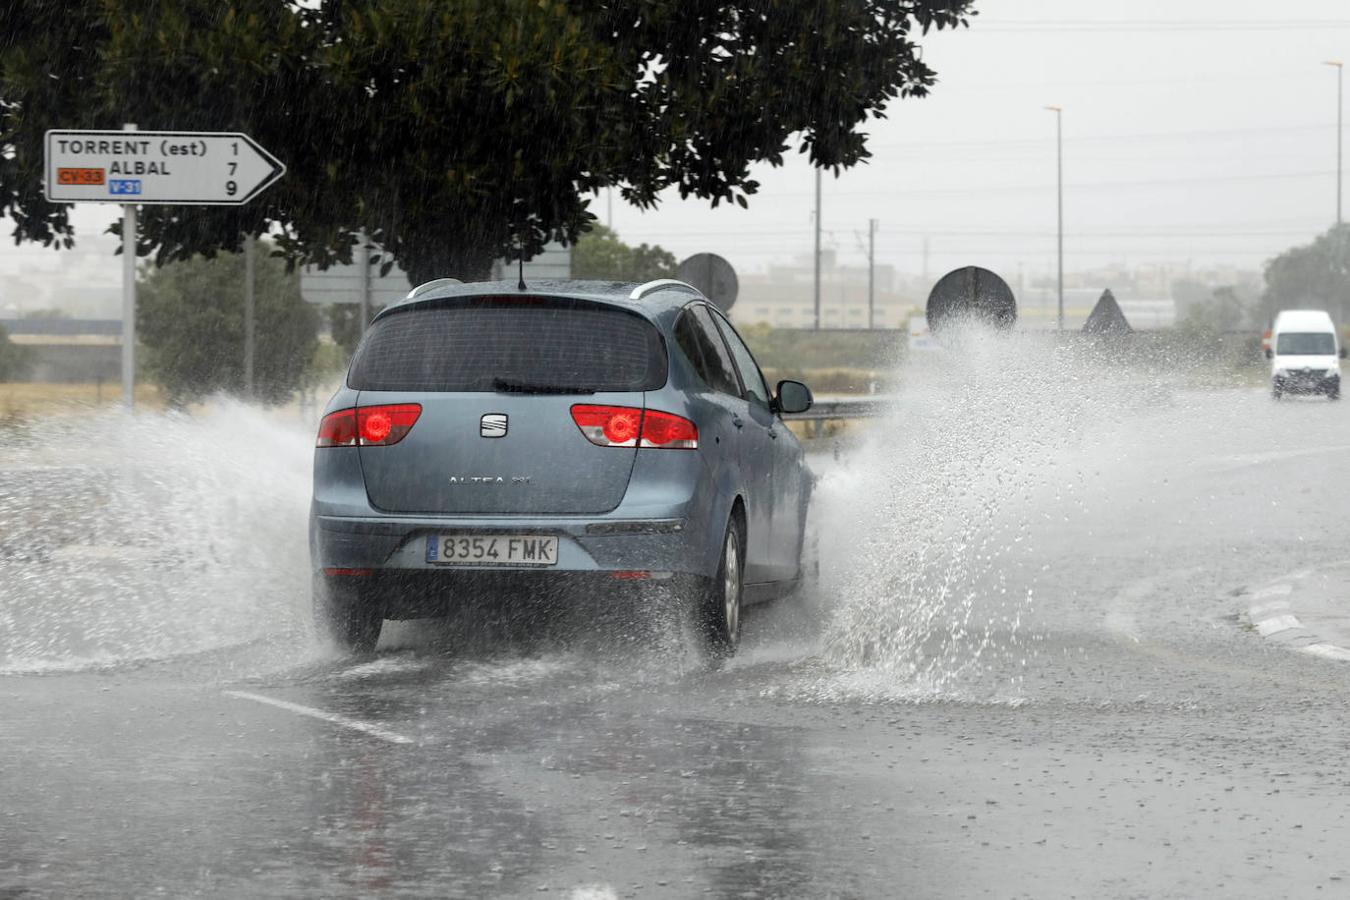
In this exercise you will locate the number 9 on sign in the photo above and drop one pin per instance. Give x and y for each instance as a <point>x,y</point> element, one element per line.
<point>231,188</point>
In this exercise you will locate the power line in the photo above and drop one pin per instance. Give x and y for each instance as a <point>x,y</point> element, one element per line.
<point>776,234</point>
<point>1078,186</point>
<point>1116,138</point>
<point>1063,25</point>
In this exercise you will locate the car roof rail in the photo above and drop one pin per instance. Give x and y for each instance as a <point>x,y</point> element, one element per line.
<point>662,284</point>
<point>428,285</point>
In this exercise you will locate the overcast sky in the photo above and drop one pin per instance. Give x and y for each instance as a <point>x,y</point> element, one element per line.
<point>1201,130</point>
<point>1194,130</point>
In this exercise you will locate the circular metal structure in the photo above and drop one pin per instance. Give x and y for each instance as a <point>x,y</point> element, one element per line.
<point>971,294</point>
<point>712,275</point>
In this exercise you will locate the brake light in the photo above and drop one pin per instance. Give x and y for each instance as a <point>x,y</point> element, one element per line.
<point>664,431</point>
<point>338,429</point>
<point>626,426</point>
<point>368,426</point>
<point>608,426</point>
<point>382,426</point>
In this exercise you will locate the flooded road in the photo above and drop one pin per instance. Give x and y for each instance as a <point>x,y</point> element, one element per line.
<point>1027,668</point>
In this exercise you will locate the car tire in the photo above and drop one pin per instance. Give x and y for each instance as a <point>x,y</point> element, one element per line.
<point>720,616</point>
<point>342,616</point>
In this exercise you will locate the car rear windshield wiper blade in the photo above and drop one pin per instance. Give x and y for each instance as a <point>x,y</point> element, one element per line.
<point>526,387</point>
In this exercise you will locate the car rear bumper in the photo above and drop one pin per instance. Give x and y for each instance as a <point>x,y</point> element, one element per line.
<point>585,544</point>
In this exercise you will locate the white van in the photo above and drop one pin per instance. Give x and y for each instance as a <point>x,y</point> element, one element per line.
<point>1304,354</point>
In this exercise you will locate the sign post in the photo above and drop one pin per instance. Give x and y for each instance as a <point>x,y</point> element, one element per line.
<point>249,317</point>
<point>129,299</point>
<point>172,168</point>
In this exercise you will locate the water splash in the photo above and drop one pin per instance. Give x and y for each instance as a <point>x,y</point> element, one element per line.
<point>132,537</point>
<point>929,562</point>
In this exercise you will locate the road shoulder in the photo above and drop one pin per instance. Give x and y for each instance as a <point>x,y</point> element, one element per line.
<point>1307,611</point>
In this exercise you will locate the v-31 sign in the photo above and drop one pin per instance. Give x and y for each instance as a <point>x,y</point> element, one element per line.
<point>163,167</point>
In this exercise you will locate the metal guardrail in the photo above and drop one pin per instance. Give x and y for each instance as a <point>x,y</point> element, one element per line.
<point>856,408</point>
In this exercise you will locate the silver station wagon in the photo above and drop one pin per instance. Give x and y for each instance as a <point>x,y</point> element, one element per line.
<point>493,443</point>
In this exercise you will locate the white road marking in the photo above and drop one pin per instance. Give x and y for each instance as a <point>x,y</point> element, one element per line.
<point>594,892</point>
<point>1327,651</point>
<point>323,715</point>
<point>1275,624</point>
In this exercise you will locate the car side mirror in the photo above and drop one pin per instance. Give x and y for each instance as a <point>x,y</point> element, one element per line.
<point>1341,354</point>
<point>793,397</point>
<point>1270,354</point>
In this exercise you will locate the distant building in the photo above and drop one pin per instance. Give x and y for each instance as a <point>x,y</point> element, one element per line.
<point>784,296</point>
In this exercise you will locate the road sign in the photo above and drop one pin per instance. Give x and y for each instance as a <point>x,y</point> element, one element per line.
<point>342,283</point>
<point>199,168</point>
<point>712,275</point>
<point>971,293</point>
<point>361,282</point>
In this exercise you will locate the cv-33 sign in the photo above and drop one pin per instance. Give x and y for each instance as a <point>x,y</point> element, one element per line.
<point>157,167</point>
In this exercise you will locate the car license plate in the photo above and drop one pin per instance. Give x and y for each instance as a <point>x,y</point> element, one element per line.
<point>492,550</point>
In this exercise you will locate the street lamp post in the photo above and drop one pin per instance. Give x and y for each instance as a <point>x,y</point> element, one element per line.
<point>816,293</point>
<point>1059,194</point>
<point>1340,111</point>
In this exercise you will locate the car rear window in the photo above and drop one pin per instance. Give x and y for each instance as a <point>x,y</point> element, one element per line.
<point>530,343</point>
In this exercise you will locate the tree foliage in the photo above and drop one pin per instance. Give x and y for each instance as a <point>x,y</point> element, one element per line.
<point>1315,276</point>
<point>454,131</point>
<point>1225,310</point>
<point>14,358</point>
<point>190,319</point>
<point>600,254</point>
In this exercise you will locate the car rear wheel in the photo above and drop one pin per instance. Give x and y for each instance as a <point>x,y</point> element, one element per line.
<point>721,613</point>
<point>341,616</point>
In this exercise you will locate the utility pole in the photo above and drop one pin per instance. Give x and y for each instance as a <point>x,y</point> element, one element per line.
<point>249,318</point>
<point>817,255</point>
<point>871,273</point>
<point>1340,132</point>
<point>129,299</point>
<point>1059,193</point>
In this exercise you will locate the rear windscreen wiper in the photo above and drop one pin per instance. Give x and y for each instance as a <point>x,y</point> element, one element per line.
<point>526,387</point>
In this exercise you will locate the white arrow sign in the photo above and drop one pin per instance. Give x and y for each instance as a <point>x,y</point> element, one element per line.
<point>163,167</point>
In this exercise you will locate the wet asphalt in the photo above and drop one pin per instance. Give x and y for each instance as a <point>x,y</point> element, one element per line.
<point>1131,736</point>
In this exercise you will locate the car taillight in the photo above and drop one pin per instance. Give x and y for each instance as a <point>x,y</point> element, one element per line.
<point>368,426</point>
<point>381,426</point>
<point>662,430</point>
<point>608,426</point>
<point>338,429</point>
<point>626,426</point>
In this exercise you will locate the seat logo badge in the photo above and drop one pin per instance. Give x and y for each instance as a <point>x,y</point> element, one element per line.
<point>493,425</point>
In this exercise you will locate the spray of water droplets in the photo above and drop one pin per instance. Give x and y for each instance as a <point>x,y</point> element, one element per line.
<point>930,532</point>
<point>128,537</point>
